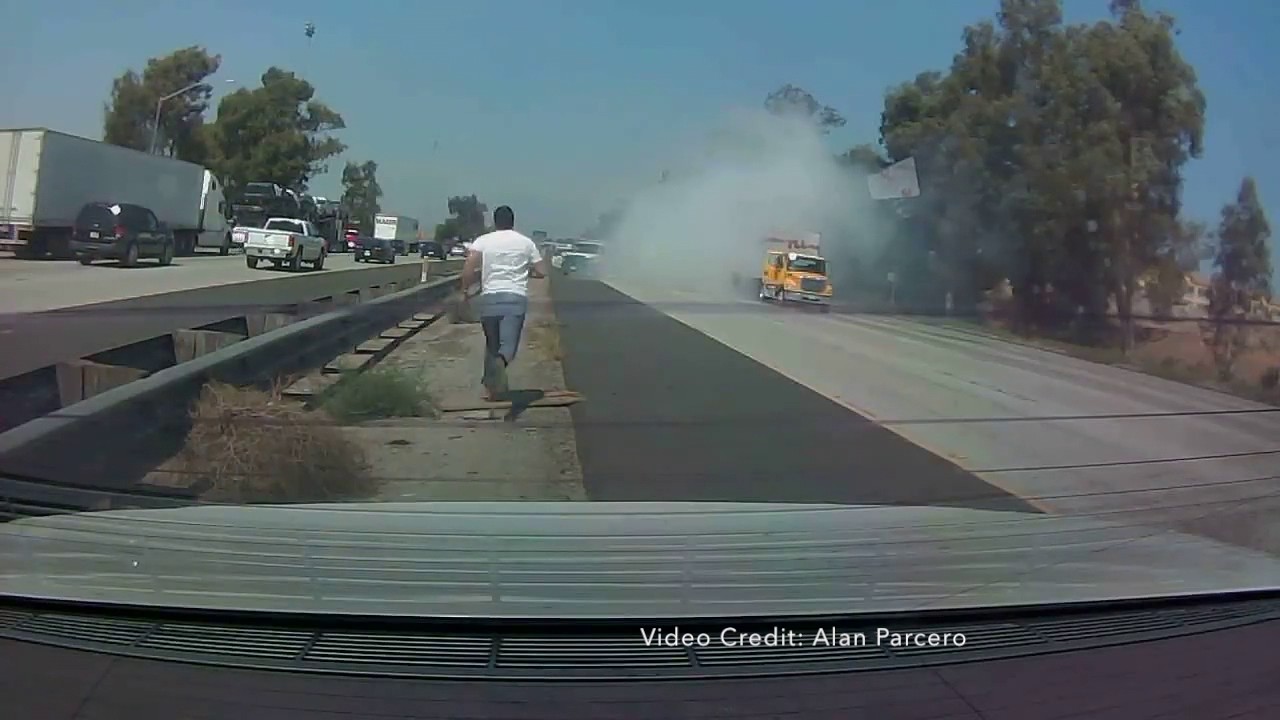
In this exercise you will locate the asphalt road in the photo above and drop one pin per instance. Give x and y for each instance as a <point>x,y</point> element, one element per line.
<point>38,285</point>
<point>671,414</point>
<point>1069,436</point>
<point>73,311</point>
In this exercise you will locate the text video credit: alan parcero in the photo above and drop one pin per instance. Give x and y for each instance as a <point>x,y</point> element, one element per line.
<point>782,637</point>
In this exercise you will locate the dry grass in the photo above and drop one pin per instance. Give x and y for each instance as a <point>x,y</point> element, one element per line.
<point>1177,352</point>
<point>250,446</point>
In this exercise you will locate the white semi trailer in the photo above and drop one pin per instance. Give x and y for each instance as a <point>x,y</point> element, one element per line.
<point>401,230</point>
<point>47,176</point>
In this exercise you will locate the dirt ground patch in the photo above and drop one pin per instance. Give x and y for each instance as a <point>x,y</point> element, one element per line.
<point>254,446</point>
<point>1176,351</point>
<point>469,456</point>
<point>1184,345</point>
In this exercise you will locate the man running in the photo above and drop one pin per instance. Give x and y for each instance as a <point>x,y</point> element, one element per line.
<point>505,260</point>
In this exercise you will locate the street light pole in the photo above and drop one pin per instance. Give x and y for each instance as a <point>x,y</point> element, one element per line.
<point>155,124</point>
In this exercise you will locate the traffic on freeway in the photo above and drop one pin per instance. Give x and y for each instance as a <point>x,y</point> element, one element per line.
<point>826,410</point>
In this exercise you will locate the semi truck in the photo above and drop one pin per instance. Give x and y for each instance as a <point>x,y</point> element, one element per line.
<point>401,230</point>
<point>258,201</point>
<point>47,176</point>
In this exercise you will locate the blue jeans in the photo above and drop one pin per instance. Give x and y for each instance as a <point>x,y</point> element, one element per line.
<point>502,319</point>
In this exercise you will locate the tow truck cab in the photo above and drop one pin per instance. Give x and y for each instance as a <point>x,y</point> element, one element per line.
<point>796,272</point>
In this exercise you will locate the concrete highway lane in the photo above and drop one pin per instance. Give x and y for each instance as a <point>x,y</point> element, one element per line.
<point>1070,436</point>
<point>73,311</point>
<point>672,414</point>
<point>36,285</point>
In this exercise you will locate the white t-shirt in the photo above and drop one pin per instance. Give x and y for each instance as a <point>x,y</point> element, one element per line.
<point>506,257</point>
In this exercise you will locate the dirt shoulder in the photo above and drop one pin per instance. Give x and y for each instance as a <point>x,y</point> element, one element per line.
<point>468,456</point>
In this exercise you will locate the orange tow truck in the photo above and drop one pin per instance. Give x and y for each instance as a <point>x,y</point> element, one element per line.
<point>795,271</point>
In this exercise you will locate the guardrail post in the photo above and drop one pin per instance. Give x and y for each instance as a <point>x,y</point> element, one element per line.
<point>191,344</point>
<point>82,379</point>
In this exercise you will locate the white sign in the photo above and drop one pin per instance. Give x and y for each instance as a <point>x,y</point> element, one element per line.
<point>899,180</point>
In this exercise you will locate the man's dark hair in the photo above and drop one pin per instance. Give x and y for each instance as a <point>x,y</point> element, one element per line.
<point>504,218</point>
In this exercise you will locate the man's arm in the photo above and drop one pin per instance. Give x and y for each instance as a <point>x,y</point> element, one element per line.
<point>537,264</point>
<point>470,269</point>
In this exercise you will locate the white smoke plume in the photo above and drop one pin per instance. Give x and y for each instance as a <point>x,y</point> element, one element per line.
<point>758,175</point>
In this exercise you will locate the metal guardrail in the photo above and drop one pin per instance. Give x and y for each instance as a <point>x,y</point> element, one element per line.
<point>91,454</point>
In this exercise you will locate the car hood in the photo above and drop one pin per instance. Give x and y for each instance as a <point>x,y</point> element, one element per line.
<point>606,560</point>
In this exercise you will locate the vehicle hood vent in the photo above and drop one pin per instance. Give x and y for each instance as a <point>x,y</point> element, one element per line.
<point>578,653</point>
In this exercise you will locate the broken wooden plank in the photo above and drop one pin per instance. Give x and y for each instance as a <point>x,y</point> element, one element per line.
<point>424,317</point>
<point>552,398</point>
<point>311,385</point>
<point>411,324</point>
<point>395,332</point>
<point>347,363</point>
<point>375,345</point>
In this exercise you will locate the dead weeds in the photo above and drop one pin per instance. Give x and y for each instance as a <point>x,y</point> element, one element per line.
<point>251,446</point>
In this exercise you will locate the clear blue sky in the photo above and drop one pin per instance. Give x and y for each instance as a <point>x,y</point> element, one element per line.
<point>560,107</point>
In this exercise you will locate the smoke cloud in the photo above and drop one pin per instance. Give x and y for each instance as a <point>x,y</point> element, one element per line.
<point>759,174</point>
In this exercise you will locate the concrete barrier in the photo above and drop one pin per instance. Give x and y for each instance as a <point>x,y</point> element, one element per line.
<point>98,449</point>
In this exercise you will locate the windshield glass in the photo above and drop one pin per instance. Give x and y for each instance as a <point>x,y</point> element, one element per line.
<point>1033,281</point>
<point>803,263</point>
<point>286,225</point>
<point>259,189</point>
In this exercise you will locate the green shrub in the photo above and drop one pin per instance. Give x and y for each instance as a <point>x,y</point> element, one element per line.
<point>378,393</point>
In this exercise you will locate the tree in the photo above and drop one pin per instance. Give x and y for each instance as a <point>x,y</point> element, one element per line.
<point>275,133</point>
<point>129,115</point>
<point>864,157</point>
<point>792,101</point>
<point>468,216</point>
<point>1166,282</point>
<point>360,192</point>
<point>1049,154</point>
<point>447,230</point>
<point>1242,255</point>
<point>1243,263</point>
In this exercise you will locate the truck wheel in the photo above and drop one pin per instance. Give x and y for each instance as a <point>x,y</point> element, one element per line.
<point>60,247</point>
<point>251,262</point>
<point>85,259</point>
<point>295,263</point>
<point>166,254</point>
<point>319,263</point>
<point>225,248</point>
<point>130,258</point>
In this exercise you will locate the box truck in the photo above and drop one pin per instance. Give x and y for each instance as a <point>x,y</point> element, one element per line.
<point>402,231</point>
<point>47,176</point>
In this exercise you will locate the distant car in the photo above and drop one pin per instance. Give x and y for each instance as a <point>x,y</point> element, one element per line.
<point>432,249</point>
<point>374,250</point>
<point>582,257</point>
<point>458,250</point>
<point>120,231</point>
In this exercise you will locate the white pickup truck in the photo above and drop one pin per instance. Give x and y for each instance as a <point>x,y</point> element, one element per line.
<point>284,242</point>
